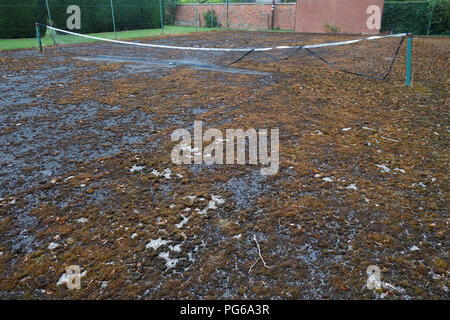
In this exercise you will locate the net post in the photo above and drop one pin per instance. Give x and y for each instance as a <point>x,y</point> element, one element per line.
<point>38,37</point>
<point>409,60</point>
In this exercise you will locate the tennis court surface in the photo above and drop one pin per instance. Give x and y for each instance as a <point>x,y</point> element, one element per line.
<point>87,178</point>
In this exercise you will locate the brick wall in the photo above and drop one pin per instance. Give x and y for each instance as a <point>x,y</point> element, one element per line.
<point>344,16</point>
<point>250,15</point>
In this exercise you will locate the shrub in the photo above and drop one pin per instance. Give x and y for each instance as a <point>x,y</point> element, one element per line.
<point>414,16</point>
<point>210,18</point>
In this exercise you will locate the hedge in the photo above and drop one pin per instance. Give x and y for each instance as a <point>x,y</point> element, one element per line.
<point>96,15</point>
<point>17,20</point>
<point>414,16</point>
<point>18,17</point>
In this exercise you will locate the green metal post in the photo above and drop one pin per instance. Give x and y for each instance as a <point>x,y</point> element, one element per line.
<point>50,21</point>
<point>409,60</point>
<point>38,36</point>
<point>49,15</point>
<point>431,17</point>
<point>161,16</point>
<point>113,20</point>
<point>197,21</point>
<point>228,4</point>
<point>210,15</point>
<point>260,11</point>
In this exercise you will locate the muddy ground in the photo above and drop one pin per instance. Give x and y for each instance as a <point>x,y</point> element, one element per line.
<point>87,178</point>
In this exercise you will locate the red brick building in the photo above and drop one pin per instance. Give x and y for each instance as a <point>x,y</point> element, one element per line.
<point>310,16</point>
<point>240,15</point>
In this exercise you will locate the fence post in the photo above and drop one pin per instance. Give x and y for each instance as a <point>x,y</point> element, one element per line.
<point>161,16</point>
<point>113,20</point>
<point>211,17</point>
<point>273,15</point>
<point>260,12</point>
<point>38,36</point>
<point>228,14</point>
<point>409,60</point>
<point>431,17</point>
<point>49,15</point>
<point>50,21</point>
<point>197,21</point>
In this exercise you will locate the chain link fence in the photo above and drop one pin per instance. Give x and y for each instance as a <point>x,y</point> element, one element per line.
<point>17,17</point>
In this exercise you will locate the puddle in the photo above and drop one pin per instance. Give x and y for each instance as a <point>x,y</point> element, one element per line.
<point>194,64</point>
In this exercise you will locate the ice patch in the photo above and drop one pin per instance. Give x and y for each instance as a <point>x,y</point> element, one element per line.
<point>352,187</point>
<point>327,179</point>
<point>347,129</point>
<point>217,199</point>
<point>155,244</point>
<point>211,204</point>
<point>53,245</point>
<point>170,263</point>
<point>383,168</point>
<point>389,286</point>
<point>176,248</point>
<point>136,168</point>
<point>421,184</point>
<point>167,173</point>
<point>183,222</point>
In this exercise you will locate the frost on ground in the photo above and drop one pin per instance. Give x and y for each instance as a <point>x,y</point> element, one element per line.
<point>87,177</point>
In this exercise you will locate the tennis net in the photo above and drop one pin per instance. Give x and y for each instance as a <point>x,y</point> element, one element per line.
<point>370,57</point>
